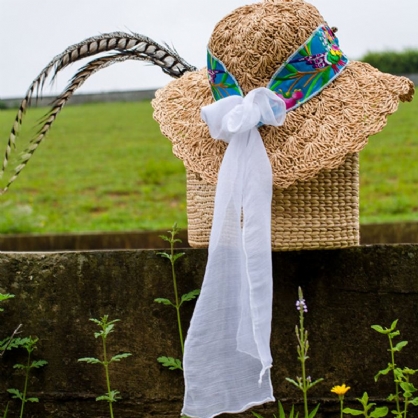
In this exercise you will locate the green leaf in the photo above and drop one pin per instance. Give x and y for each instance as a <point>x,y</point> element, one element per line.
<point>414,401</point>
<point>118,357</point>
<point>164,301</point>
<point>32,400</point>
<point>393,325</point>
<point>408,387</point>
<point>292,411</point>
<point>165,238</point>
<point>351,411</point>
<point>379,329</point>
<point>5,296</point>
<point>282,413</point>
<point>257,415</point>
<point>407,370</point>
<point>190,296</point>
<point>400,345</point>
<point>293,382</point>
<point>394,334</point>
<point>17,394</point>
<point>13,343</point>
<point>310,385</point>
<point>90,360</point>
<point>38,363</point>
<point>364,400</point>
<point>383,372</point>
<point>313,413</point>
<point>391,397</point>
<point>398,373</point>
<point>164,255</point>
<point>108,329</point>
<point>99,334</point>
<point>170,362</point>
<point>177,256</point>
<point>19,366</point>
<point>6,410</point>
<point>379,412</point>
<point>109,397</point>
<point>103,398</point>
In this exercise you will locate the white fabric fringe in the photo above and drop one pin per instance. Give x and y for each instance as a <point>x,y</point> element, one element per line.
<point>227,356</point>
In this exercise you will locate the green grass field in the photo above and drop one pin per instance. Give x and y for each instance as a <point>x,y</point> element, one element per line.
<point>106,167</point>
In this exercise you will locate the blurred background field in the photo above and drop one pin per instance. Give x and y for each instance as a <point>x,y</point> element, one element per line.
<point>103,167</point>
<point>106,167</point>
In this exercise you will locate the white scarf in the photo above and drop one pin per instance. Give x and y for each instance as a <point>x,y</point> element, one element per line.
<point>227,356</point>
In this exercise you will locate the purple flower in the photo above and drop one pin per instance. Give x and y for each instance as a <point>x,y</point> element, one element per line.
<point>301,305</point>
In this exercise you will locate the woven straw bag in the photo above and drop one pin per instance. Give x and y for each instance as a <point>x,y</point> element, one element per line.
<point>319,213</point>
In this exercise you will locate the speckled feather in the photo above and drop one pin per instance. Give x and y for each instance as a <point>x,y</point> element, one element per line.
<point>129,46</point>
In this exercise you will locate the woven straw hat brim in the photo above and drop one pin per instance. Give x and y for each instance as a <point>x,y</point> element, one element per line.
<point>316,136</point>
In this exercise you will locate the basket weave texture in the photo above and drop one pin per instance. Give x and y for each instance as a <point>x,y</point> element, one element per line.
<point>319,213</point>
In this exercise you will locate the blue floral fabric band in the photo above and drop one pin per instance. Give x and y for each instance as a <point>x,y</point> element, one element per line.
<point>305,73</point>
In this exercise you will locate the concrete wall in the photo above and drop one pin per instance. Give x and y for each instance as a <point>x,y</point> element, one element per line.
<point>393,233</point>
<point>346,290</point>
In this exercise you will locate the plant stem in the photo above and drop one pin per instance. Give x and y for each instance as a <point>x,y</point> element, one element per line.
<point>341,406</point>
<point>106,366</point>
<point>392,354</point>
<point>302,360</point>
<point>176,295</point>
<point>406,401</point>
<point>26,386</point>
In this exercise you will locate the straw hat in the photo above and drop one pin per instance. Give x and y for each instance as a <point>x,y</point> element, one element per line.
<point>252,42</point>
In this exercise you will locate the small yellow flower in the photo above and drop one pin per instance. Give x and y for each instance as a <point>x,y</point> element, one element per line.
<point>340,390</point>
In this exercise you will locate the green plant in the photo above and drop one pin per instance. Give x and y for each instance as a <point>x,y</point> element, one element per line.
<point>280,412</point>
<point>9,342</point>
<point>29,344</point>
<point>6,410</point>
<point>106,328</point>
<point>304,383</point>
<point>5,343</point>
<point>5,296</point>
<point>367,412</point>
<point>171,362</point>
<point>400,375</point>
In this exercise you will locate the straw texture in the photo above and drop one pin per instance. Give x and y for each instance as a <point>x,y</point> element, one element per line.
<point>253,41</point>
<point>319,213</point>
<point>317,135</point>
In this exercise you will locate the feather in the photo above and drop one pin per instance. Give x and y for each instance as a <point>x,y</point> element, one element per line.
<point>129,46</point>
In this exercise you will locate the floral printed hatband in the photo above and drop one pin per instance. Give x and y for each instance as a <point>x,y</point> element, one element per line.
<point>305,73</point>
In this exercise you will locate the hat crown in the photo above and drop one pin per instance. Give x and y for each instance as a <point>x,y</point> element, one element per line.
<point>254,40</point>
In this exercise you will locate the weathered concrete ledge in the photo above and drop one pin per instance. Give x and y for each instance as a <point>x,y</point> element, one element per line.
<point>390,233</point>
<point>346,290</point>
